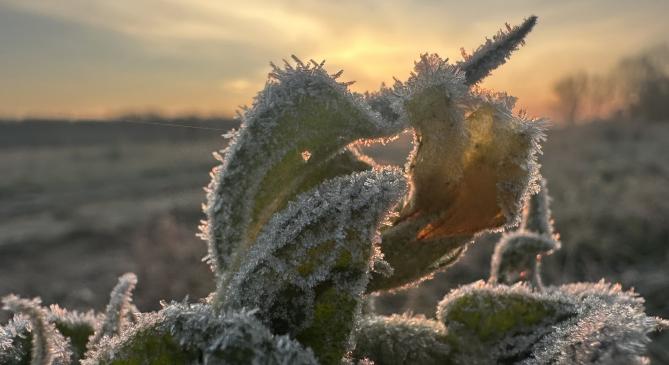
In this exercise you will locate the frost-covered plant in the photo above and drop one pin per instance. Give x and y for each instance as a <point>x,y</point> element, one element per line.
<point>302,227</point>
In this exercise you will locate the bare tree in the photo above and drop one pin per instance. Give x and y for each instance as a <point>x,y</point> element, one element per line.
<point>646,82</point>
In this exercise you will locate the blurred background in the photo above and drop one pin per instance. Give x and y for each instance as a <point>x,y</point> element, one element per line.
<point>110,112</point>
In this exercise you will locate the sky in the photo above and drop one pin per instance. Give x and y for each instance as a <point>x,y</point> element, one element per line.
<point>100,58</point>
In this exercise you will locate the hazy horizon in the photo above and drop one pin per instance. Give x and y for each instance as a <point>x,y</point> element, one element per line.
<point>82,59</point>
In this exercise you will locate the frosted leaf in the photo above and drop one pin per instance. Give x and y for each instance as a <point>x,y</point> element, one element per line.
<point>493,324</point>
<point>608,292</point>
<point>472,169</point>
<point>116,314</point>
<point>401,339</point>
<point>602,332</point>
<point>494,52</point>
<point>75,326</point>
<point>301,108</point>
<point>182,333</point>
<point>31,337</point>
<point>574,324</point>
<point>308,269</point>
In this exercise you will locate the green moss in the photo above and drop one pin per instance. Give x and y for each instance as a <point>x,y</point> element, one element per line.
<point>329,332</point>
<point>490,317</point>
<point>152,349</point>
<point>344,260</point>
<point>314,255</point>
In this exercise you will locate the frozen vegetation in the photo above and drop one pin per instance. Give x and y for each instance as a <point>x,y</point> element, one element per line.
<point>303,231</point>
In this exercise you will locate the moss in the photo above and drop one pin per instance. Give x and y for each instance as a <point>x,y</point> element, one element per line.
<point>333,321</point>
<point>344,260</point>
<point>152,349</point>
<point>313,255</point>
<point>490,317</point>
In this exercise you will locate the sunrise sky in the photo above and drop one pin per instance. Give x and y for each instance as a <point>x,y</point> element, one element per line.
<point>86,58</point>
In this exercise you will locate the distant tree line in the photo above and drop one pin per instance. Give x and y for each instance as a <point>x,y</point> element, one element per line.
<point>636,88</point>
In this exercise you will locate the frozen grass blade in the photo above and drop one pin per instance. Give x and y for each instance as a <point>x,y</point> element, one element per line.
<point>495,52</point>
<point>116,314</point>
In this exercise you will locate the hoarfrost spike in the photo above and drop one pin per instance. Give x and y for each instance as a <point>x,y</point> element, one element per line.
<point>494,53</point>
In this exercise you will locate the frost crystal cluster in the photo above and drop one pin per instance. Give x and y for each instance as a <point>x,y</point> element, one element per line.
<point>302,228</point>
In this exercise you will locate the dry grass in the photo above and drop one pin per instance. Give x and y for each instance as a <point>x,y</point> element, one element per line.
<point>75,216</point>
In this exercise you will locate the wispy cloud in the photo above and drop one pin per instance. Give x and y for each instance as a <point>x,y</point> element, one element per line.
<point>198,51</point>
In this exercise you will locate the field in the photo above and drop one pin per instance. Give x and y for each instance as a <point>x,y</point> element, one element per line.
<point>81,203</point>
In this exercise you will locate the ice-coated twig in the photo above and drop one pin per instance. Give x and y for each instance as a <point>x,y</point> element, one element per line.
<point>518,254</point>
